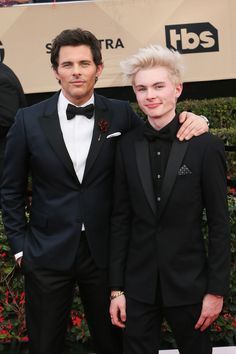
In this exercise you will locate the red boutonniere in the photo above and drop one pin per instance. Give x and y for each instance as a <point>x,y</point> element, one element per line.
<point>103,126</point>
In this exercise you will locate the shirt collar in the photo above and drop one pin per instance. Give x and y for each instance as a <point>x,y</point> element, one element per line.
<point>63,102</point>
<point>172,127</point>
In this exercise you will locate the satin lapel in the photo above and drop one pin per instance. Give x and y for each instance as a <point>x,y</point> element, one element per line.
<point>98,139</point>
<point>144,168</point>
<point>52,130</point>
<point>176,156</point>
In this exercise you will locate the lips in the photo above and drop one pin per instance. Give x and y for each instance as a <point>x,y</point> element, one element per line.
<point>153,105</point>
<point>78,82</point>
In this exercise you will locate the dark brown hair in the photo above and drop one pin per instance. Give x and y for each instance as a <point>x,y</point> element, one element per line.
<point>75,37</point>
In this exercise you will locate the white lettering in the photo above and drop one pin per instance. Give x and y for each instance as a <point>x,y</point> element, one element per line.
<point>206,37</point>
<point>190,40</point>
<point>174,38</point>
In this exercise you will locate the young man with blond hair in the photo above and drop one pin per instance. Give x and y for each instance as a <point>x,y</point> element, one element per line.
<point>158,263</point>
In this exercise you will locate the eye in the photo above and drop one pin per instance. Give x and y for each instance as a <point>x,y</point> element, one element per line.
<point>66,65</point>
<point>140,89</point>
<point>85,64</point>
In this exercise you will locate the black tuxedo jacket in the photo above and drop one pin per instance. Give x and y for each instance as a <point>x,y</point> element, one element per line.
<point>60,203</point>
<point>162,248</point>
<point>11,96</point>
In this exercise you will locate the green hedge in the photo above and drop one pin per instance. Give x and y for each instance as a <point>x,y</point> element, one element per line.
<point>220,111</point>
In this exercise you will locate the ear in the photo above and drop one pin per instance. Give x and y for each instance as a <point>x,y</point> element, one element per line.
<point>56,74</point>
<point>99,69</point>
<point>134,85</point>
<point>178,90</point>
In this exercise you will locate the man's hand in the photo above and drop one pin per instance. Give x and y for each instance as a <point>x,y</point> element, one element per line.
<point>118,311</point>
<point>193,125</point>
<point>211,308</point>
<point>19,260</point>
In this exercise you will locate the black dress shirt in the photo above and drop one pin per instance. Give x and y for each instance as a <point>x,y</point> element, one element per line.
<point>160,143</point>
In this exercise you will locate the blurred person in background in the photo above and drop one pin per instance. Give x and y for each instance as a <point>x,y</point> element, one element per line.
<point>11,99</point>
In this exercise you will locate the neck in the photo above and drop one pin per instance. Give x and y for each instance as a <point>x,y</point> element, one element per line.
<point>159,123</point>
<point>78,101</point>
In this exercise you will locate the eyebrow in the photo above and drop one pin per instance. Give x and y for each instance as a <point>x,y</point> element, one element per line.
<point>83,61</point>
<point>154,84</point>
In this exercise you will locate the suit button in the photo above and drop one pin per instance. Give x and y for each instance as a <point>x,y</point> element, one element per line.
<point>158,199</point>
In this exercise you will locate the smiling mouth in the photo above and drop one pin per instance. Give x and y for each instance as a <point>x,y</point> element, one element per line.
<point>153,105</point>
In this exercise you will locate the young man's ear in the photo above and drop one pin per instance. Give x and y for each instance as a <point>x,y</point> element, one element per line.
<point>178,90</point>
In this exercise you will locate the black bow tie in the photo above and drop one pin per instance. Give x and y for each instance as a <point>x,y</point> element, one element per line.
<point>86,111</point>
<point>152,135</point>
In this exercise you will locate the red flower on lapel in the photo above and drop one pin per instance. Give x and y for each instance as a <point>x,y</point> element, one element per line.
<point>103,126</point>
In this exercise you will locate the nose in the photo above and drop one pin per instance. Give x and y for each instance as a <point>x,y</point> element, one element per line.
<point>151,94</point>
<point>76,70</point>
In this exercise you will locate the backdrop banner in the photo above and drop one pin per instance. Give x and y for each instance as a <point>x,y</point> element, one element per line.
<point>204,31</point>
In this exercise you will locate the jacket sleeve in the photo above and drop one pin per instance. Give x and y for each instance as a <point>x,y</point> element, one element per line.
<point>214,188</point>
<point>120,224</point>
<point>14,184</point>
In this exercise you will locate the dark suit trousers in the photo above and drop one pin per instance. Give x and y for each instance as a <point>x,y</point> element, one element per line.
<point>49,295</point>
<point>143,327</point>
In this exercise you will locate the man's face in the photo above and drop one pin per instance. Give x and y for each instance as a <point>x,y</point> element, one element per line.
<point>77,73</point>
<point>156,94</point>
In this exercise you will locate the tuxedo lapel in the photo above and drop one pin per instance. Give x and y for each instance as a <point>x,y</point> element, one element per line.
<point>144,169</point>
<point>101,114</point>
<point>52,130</point>
<point>176,156</point>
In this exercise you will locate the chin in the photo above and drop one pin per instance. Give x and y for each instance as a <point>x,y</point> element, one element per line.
<point>155,116</point>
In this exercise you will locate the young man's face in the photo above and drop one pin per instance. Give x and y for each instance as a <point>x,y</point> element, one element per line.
<point>77,73</point>
<point>156,94</point>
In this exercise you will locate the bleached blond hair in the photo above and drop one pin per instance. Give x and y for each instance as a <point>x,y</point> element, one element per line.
<point>154,56</point>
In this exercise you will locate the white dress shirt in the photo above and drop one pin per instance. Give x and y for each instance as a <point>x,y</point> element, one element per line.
<point>77,134</point>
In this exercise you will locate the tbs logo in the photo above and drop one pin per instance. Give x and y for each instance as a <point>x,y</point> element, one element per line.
<point>192,38</point>
<point>2,52</point>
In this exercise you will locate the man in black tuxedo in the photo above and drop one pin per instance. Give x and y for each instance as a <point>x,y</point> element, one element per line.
<point>158,262</point>
<point>69,150</point>
<point>11,99</point>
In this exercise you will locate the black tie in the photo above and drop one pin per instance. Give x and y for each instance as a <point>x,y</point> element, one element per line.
<point>86,111</point>
<point>152,134</point>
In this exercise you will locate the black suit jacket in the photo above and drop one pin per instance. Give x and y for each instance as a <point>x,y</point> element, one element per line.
<point>163,248</point>
<point>11,96</point>
<point>60,203</point>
